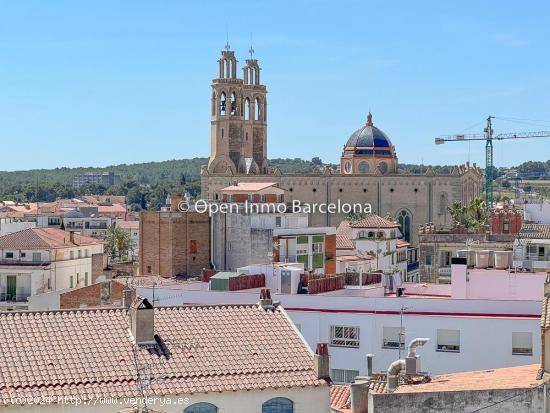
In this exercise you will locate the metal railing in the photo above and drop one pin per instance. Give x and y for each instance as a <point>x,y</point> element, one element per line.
<point>14,297</point>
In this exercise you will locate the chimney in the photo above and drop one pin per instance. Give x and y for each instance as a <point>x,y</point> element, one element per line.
<point>142,322</point>
<point>175,200</point>
<point>127,298</point>
<point>359,396</point>
<point>321,359</point>
<point>265,299</point>
<point>369,364</point>
<point>71,237</point>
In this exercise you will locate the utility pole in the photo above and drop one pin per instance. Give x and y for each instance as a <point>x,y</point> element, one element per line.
<point>401,332</point>
<point>489,163</point>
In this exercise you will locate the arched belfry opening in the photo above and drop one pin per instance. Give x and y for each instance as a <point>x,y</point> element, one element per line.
<point>239,128</point>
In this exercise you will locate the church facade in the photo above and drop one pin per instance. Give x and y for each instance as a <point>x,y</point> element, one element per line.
<point>368,164</point>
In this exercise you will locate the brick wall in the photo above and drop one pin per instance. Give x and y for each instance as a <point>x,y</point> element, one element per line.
<point>330,254</point>
<point>92,296</point>
<point>166,240</point>
<point>99,263</point>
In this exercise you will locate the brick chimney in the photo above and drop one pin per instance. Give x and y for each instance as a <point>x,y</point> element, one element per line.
<point>265,299</point>
<point>321,360</point>
<point>142,322</point>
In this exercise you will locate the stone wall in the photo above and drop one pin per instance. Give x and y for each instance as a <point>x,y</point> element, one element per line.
<point>511,401</point>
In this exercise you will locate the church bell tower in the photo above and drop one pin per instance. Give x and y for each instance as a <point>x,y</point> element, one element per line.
<point>238,119</point>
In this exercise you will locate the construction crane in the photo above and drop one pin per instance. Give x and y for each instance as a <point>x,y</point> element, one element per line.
<point>488,137</point>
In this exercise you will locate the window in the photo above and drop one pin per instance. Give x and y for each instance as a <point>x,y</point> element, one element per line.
<point>9,255</point>
<point>36,257</point>
<point>522,344</point>
<point>86,252</point>
<point>201,408</point>
<point>342,336</point>
<point>446,258</point>
<point>392,339</point>
<point>405,224</point>
<point>347,167</point>
<point>318,247</point>
<point>343,376</point>
<point>71,281</point>
<point>362,234</point>
<point>222,104</point>
<point>77,278</point>
<point>72,255</point>
<point>86,278</point>
<point>79,253</point>
<point>193,246</point>
<point>428,260</point>
<point>363,167</point>
<point>23,254</point>
<point>505,227</point>
<point>278,222</point>
<point>247,109</point>
<point>257,109</point>
<point>278,405</point>
<point>448,340</point>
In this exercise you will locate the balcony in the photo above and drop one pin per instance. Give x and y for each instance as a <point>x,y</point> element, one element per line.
<point>412,266</point>
<point>444,271</point>
<point>14,298</point>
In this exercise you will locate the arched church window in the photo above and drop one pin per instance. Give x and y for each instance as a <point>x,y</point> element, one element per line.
<point>233,104</point>
<point>257,109</point>
<point>247,109</point>
<point>363,167</point>
<point>405,222</point>
<point>222,104</point>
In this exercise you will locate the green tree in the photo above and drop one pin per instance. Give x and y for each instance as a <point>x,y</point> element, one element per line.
<point>118,243</point>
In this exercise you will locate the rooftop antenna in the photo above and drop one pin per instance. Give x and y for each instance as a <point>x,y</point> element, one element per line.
<point>227,46</point>
<point>251,50</point>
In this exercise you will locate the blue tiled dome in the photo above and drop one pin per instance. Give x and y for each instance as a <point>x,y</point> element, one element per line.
<point>369,136</point>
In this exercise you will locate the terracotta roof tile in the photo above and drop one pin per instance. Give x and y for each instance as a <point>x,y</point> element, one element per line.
<point>44,238</point>
<point>199,349</point>
<point>374,221</point>
<point>535,231</point>
<point>344,237</point>
<point>340,397</point>
<point>249,186</point>
<point>520,377</point>
<point>545,316</point>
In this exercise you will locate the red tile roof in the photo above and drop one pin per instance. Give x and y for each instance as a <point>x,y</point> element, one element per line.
<point>340,398</point>
<point>89,353</point>
<point>344,237</point>
<point>402,243</point>
<point>520,377</point>
<point>109,209</point>
<point>44,238</point>
<point>374,221</point>
<point>249,186</point>
<point>535,231</point>
<point>128,224</point>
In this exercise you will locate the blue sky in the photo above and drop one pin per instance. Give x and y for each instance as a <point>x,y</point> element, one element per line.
<point>94,83</point>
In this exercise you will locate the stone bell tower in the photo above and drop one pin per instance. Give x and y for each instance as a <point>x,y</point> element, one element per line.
<point>238,119</point>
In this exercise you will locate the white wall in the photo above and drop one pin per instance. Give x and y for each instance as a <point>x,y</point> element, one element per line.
<point>486,326</point>
<point>306,400</point>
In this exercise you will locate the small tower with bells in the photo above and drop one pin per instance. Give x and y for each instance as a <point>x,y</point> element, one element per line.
<point>238,118</point>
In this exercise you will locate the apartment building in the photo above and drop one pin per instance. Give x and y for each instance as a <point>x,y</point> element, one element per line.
<point>38,260</point>
<point>370,319</point>
<point>532,248</point>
